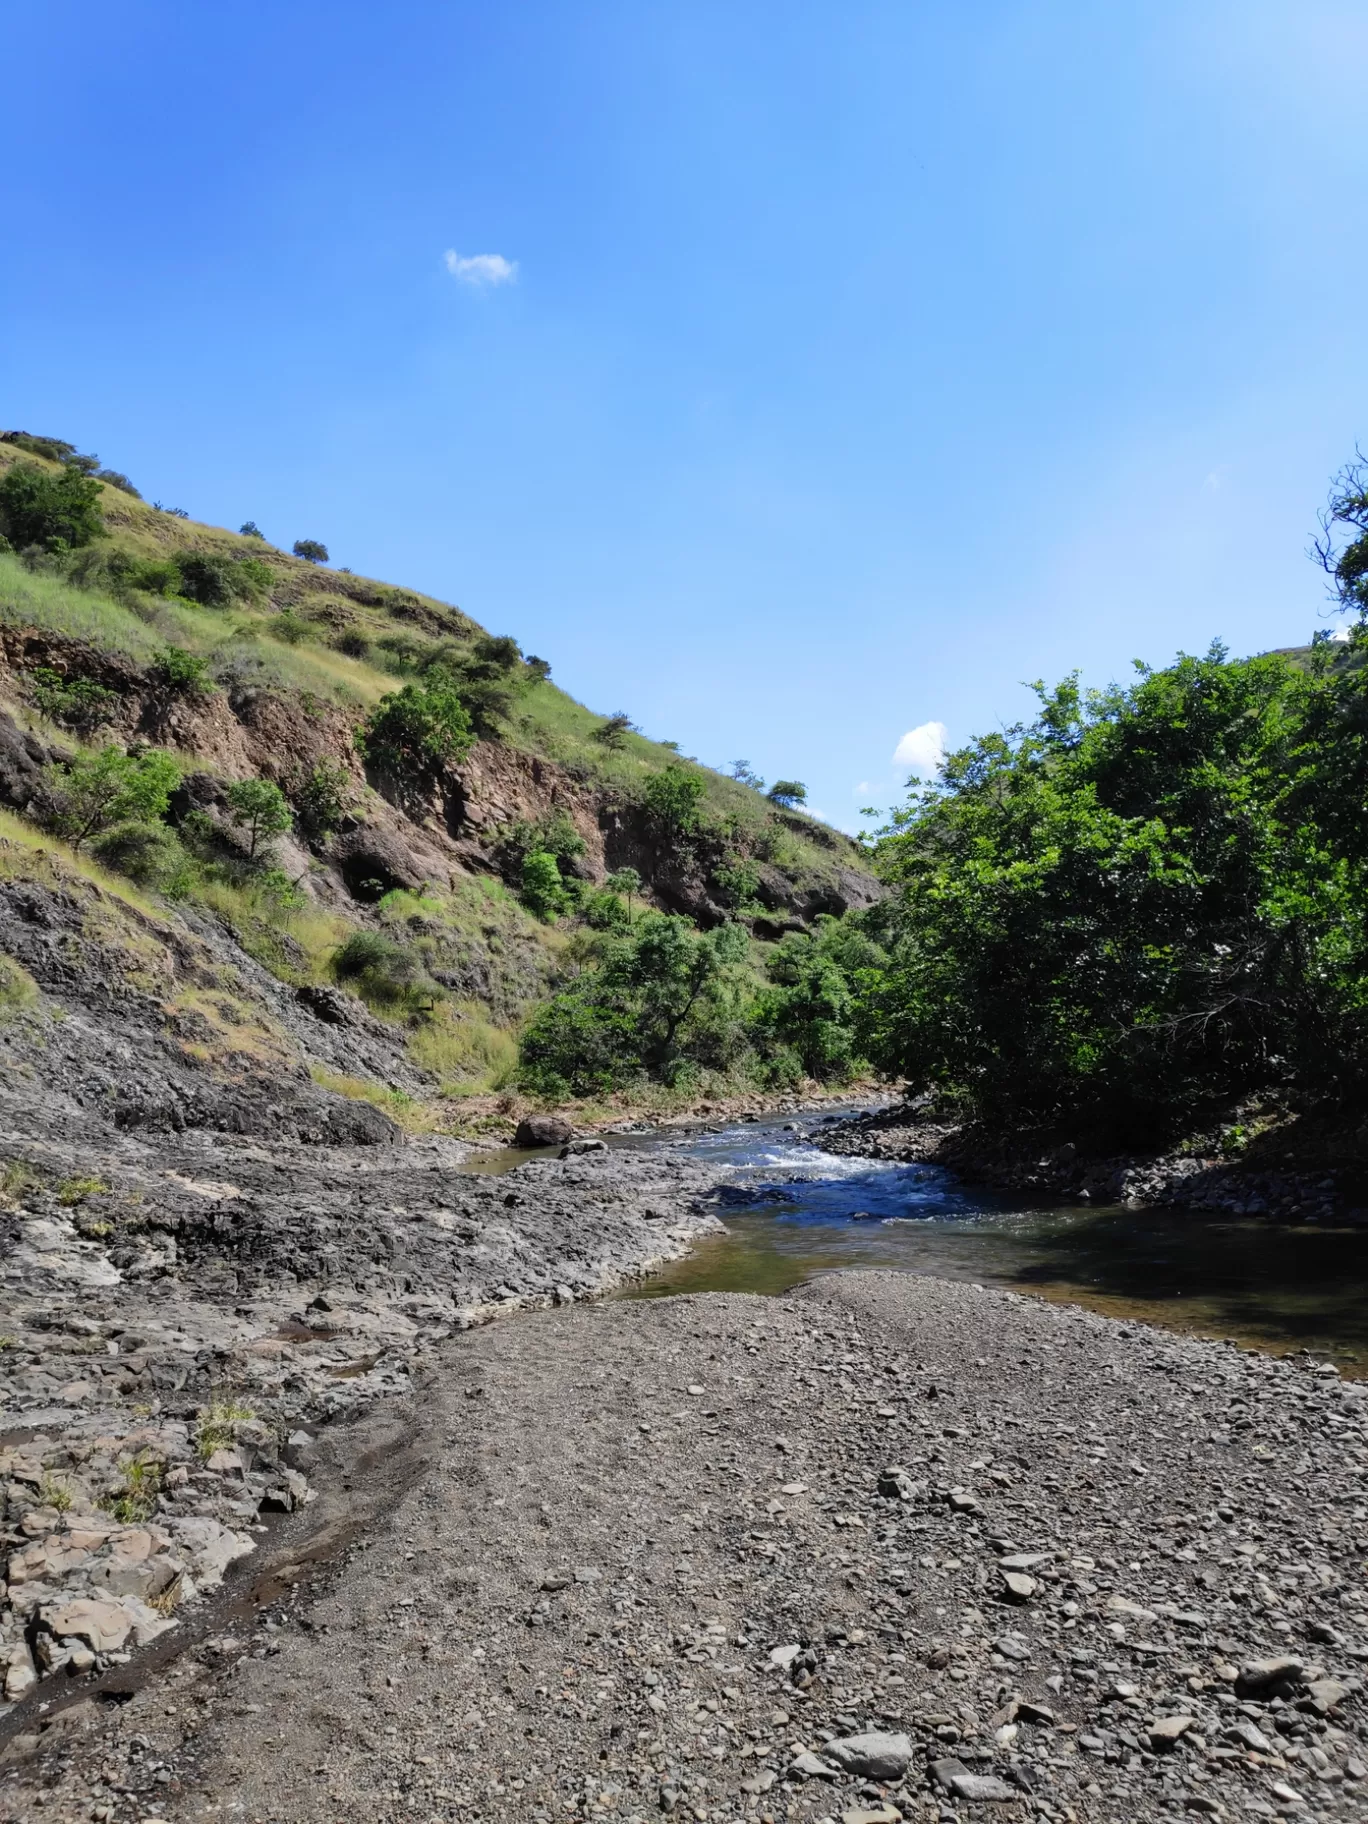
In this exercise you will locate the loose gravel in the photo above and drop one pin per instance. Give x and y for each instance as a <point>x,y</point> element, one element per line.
<point>886,1547</point>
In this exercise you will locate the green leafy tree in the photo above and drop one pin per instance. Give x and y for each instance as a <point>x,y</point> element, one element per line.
<point>661,1003</point>
<point>627,882</point>
<point>311,550</point>
<point>250,529</point>
<point>788,793</point>
<point>614,730</point>
<point>258,807</point>
<point>542,890</point>
<point>672,801</point>
<point>419,730</point>
<point>1342,547</point>
<point>1145,903</point>
<point>75,702</point>
<point>743,773</point>
<point>59,512</point>
<point>90,792</point>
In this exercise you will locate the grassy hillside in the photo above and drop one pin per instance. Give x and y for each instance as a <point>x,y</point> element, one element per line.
<point>151,632</point>
<point>342,637</point>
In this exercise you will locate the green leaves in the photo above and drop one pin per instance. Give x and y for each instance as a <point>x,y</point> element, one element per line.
<point>93,791</point>
<point>1145,901</point>
<point>58,512</point>
<point>418,730</point>
<point>259,808</point>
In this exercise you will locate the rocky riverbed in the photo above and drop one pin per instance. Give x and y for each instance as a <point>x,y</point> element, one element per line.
<point>1265,1180</point>
<point>887,1547</point>
<point>182,1316</point>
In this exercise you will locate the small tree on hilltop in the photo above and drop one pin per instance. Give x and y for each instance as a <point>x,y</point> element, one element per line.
<point>250,529</point>
<point>614,730</point>
<point>259,807</point>
<point>92,791</point>
<point>788,794</point>
<point>742,772</point>
<point>310,550</point>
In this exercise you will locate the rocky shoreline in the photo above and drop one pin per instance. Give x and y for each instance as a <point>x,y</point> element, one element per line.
<point>184,1317</point>
<point>886,1548</point>
<point>1199,1179</point>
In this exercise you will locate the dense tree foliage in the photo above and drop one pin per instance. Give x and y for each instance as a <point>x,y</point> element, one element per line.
<point>56,511</point>
<point>1146,902</point>
<point>418,730</point>
<point>90,792</point>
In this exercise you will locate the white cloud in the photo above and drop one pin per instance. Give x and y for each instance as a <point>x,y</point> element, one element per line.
<point>921,749</point>
<point>862,790</point>
<point>480,269</point>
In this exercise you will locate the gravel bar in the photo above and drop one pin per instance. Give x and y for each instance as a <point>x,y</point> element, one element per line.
<point>885,1547</point>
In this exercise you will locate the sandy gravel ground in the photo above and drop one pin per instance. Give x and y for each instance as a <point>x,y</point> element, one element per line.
<point>884,1547</point>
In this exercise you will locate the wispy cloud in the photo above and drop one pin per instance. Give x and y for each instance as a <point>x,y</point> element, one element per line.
<point>921,749</point>
<point>480,269</point>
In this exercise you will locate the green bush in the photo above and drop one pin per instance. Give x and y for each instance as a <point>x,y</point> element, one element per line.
<point>323,798</point>
<point>787,793</point>
<point>352,642</point>
<point>661,1003</point>
<point>1147,903</point>
<point>614,730</point>
<point>541,889</point>
<point>148,853</point>
<point>91,792</point>
<point>250,529</point>
<point>419,730</point>
<point>672,801</point>
<point>55,512</point>
<point>74,702</point>
<point>388,975</point>
<point>183,672</point>
<point>216,581</point>
<point>311,550</point>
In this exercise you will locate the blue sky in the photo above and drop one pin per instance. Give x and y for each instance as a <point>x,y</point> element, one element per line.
<point>830,370</point>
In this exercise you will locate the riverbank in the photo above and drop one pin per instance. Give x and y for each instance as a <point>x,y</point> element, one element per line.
<point>1297,1172</point>
<point>888,1546</point>
<point>185,1316</point>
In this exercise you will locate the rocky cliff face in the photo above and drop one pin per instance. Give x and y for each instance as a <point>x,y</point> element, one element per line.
<point>402,837</point>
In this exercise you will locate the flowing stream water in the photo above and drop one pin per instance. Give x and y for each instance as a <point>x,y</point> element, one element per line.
<point>793,1210</point>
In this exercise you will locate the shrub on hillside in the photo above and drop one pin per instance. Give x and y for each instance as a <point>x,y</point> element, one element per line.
<point>672,801</point>
<point>148,853</point>
<point>216,581</point>
<point>541,888</point>
<point>74,702</point>
<point>183,672</point>
<point>324,798</point>
<point>91,792</point>
<point>311,550</point>
<point>788,794</point>
<point>662,1003</point>
<point>55,512</point>
<point>386,974</point>
<point>419,730</point>
<point>614,730</point>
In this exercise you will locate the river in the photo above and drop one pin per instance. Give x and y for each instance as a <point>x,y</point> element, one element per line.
<point>793,1210</point>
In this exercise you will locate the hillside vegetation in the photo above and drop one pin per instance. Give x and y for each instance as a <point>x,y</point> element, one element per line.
<point>377,800</point>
